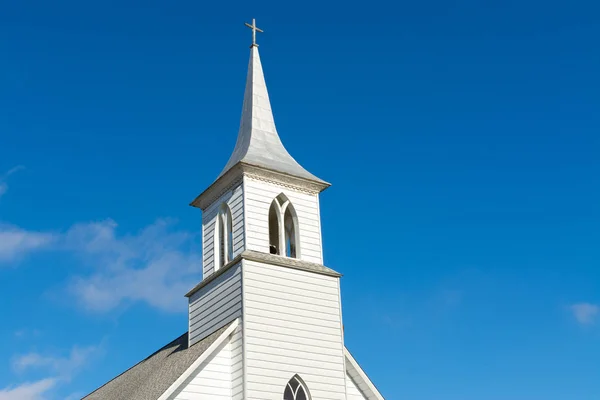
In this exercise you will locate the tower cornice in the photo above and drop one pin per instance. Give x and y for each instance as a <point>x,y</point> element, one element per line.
<point>271,259</point>
<point>235,175</point>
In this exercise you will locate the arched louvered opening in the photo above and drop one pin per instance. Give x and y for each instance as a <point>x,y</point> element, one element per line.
<point>274,212</point>
<point>290,223</point>
<point>296,390</point>
<point>223,237</point>
<point>283,228</point>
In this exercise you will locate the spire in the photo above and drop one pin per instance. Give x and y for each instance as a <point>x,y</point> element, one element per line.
<point>258,143</point>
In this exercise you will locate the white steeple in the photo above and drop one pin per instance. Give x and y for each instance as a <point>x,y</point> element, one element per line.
<point>258,143</point>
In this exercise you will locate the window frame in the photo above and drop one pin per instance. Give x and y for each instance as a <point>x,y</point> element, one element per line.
<point>223,237</point>
<point>301,384</point>
<point>283,205</point>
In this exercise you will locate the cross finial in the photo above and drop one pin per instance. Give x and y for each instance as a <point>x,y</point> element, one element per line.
<point>254,30</point>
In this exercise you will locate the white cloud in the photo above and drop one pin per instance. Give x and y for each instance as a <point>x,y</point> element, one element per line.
<point>60,367</point>
<point>156,266</point>
<point>585,313</point>
<point>28,391</point>
<point>3,184</point>
<point>75,396</point>
<point>27,333</point>
<point>16,242</point>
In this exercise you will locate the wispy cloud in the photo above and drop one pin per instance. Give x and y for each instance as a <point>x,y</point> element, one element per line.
<point>16,242</point>
<point>4,177</point>
<point>58,369</point>
<point>136,267</point>
<point>585,313</point>
<point>29,391</point>
<point>75,396</point>
<point>63,367</point>
<point>156,265</point>
<point>27,333</point>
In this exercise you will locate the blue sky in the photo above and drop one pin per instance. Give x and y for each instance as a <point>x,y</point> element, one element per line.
<point>461,138</point>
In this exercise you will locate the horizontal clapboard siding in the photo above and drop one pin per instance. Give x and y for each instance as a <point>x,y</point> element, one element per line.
<point>352,390</point>
<point>366,391</point>
<point>216,304</point>
<point>235,200</point>
<point>292,325</point>
<point>259,196</point>
<point>212,381</point>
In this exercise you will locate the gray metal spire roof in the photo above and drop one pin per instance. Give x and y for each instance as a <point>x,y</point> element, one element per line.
<point>258,142</point>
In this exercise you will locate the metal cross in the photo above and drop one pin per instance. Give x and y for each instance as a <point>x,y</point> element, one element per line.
<point>254,30</point>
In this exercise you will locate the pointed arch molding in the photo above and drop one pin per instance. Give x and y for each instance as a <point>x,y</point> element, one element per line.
<point>296,389</point>
<point>223,241</point>
<point>284,228</point>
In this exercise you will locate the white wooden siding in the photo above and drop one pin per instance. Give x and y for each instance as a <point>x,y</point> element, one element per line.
<point>237,365</point>
<point>360,379</point>
<point>292,325</point>
<point>212,381</point>
<point>216,304</point>
<point>235,200</point>
<point>352,390</point>
<point>259,196</point>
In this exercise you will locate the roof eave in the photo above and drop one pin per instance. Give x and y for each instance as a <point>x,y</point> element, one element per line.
<point>272,259</point>
<point>241,169</point>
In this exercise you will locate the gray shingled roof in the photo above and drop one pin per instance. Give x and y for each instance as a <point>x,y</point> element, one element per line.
<point>258,142</point>
<point>148,379</point>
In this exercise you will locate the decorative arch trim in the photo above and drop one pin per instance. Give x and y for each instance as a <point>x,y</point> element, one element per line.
<point>284,232</point>
<point>296,389</point>
<point>223,240</point>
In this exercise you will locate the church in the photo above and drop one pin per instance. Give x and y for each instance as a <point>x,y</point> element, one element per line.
<point>265,322</point>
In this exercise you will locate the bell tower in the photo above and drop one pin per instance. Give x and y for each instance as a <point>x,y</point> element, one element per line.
<point>237,212</point>
<point>263,264</point>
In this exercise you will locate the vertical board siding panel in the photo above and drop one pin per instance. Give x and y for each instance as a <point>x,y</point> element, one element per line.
<point>212,381</point>
<point>237,365</point>
<point>289,339</point>
<point>235,200</point>
<point>208,245</point>
<point>259,196</point>
<point>236,203</point>
<point>216,304</point>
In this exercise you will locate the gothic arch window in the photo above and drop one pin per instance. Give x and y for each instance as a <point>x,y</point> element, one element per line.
<point>290,221</point>
<point>223,237</point>
<point>296,390</point>
<point>274,216</point>
<point>283,228</point>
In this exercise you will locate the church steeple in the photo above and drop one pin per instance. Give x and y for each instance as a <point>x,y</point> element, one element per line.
<point>265,322</point>
<point>263,200</point>
<point>258,143</point>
